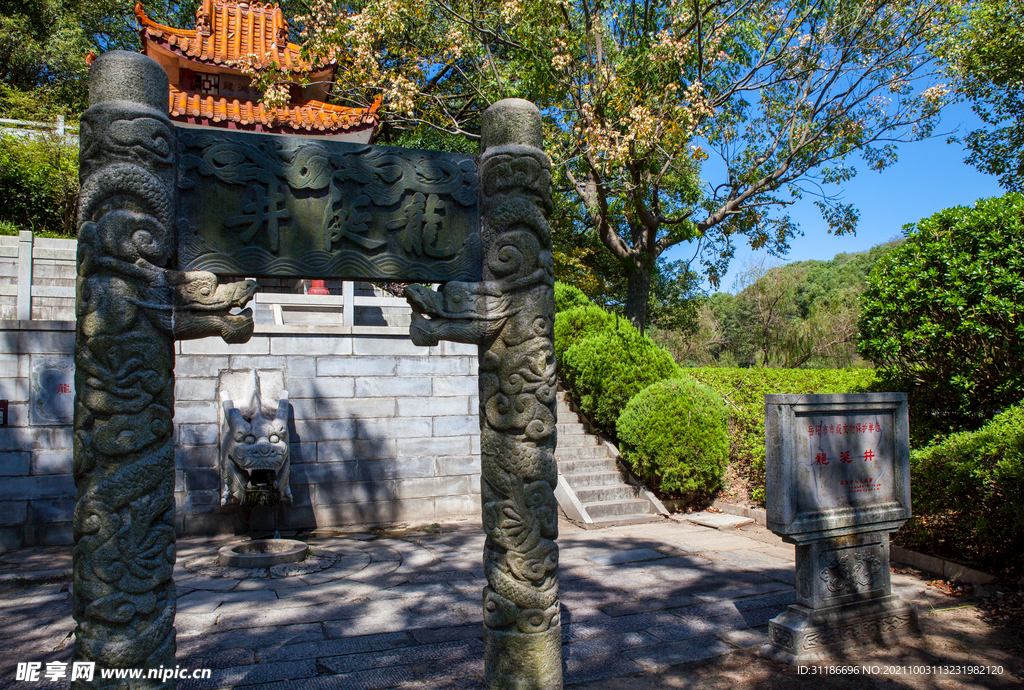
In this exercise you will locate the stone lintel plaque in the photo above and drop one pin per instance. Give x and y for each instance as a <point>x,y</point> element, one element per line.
<point>264,205</point>
<point>836,464</point>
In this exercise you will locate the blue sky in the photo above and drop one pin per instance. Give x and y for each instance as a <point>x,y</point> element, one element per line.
<point>929,176</point>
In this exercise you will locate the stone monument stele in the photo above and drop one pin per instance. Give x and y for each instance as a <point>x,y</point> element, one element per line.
<point>161,209</point>
<point>838,482</point>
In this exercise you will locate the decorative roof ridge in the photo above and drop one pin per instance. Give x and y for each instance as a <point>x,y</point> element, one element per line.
<point>265,31</point>
<point>294,116</point>
<point>146,22</point>
<point>311,103</point>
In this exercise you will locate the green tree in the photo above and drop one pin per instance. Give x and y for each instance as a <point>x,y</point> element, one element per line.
<point>942,314</point>
<point>801,314</point>
<point>42,60</point>
<point>39,178</point>
<point>638,95</point>
<point>986,55</point>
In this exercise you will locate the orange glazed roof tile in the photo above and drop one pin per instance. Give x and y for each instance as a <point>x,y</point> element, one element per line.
<point>228,31</point>
<point>311,115</point>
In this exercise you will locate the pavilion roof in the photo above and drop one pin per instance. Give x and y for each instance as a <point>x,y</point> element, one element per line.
<point>228,31</point>
<point>312,116</point>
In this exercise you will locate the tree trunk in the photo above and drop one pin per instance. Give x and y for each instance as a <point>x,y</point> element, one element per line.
<point>638,292</point>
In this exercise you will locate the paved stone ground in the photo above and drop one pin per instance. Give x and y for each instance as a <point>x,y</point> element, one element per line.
<point>401,608</point>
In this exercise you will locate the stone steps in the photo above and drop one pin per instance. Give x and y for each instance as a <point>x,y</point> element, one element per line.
<point>595,484</point>
<point>617,508</point>
<point>580,452</point>
<point>582,480</point>
<point>616,520</point>
<point>578,440</point>
<point>586,466</point>
<point>605,492</point>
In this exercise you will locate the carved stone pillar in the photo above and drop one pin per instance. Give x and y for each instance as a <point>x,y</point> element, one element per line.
<point>130,307</point>
<point>510,315</point>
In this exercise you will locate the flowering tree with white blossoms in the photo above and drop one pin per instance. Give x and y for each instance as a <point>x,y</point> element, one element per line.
<point>638,95</point>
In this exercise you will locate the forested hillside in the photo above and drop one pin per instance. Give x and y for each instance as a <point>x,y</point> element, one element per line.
<point>798,315</point>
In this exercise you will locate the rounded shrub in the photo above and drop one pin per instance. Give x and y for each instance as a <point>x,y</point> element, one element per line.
<point>578,323</point>
<point>606,369</point>
<point>569,296</point>
<point>675,436</point>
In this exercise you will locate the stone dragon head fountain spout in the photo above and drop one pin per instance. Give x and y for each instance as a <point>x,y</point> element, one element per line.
<point>255,460</point>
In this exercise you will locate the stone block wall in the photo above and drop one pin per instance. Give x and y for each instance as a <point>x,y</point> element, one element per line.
<point>382,431</point>
<point>37,491</point>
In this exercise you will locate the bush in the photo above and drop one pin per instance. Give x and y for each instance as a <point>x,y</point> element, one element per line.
<point>942,315</point>
<point>968,495</point>
<point>578,323</point>
<point>743,391</point>
<point>675,436</point>
<point>606,369</point>
<point>39,183</point>
<point>569,296</point>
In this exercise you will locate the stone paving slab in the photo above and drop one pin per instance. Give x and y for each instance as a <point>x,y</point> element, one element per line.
<point>659,657</point>
<point>745,639</point>
<point>718,520</point>
<point>402,609</point>
<point>627,556</point>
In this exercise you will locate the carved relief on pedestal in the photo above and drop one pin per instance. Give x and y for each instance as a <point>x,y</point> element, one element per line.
<point>867,630</point>
<point>780,636</point>
<point>849,573</point>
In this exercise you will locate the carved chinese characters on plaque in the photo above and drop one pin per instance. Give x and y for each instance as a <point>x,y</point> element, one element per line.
<point>261,206</point>
<point>844,460</point>
<point>52,393</point>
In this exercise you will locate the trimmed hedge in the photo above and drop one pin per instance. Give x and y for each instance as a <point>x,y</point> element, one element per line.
<point>569,296</point>
<point>606,369</point>
<point>675,436</point>
<point>577,323</point>
<point>941,313</point>
<point>744,391</point>
<point>967,493</point>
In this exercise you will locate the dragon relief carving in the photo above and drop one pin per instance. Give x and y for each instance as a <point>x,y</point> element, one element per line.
<point>130,307</point>
<point>510,315</point>
<point>255,463</point>
<point>840,576</point>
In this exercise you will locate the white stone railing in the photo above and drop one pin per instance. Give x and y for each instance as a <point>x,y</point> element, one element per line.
<point>333,313</point>
<point>29,128</point>
<point>42,265</point>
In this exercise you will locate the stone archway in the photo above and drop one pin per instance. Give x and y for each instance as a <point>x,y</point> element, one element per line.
<point>134,301</point>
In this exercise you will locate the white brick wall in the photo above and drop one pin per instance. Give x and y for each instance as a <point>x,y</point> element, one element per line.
<point>382,431</point>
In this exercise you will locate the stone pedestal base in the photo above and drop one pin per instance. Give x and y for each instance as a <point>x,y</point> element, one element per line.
<point>801,635</point>
<point>523,661</point>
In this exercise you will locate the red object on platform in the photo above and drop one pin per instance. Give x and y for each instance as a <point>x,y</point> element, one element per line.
<point>317,287</point>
